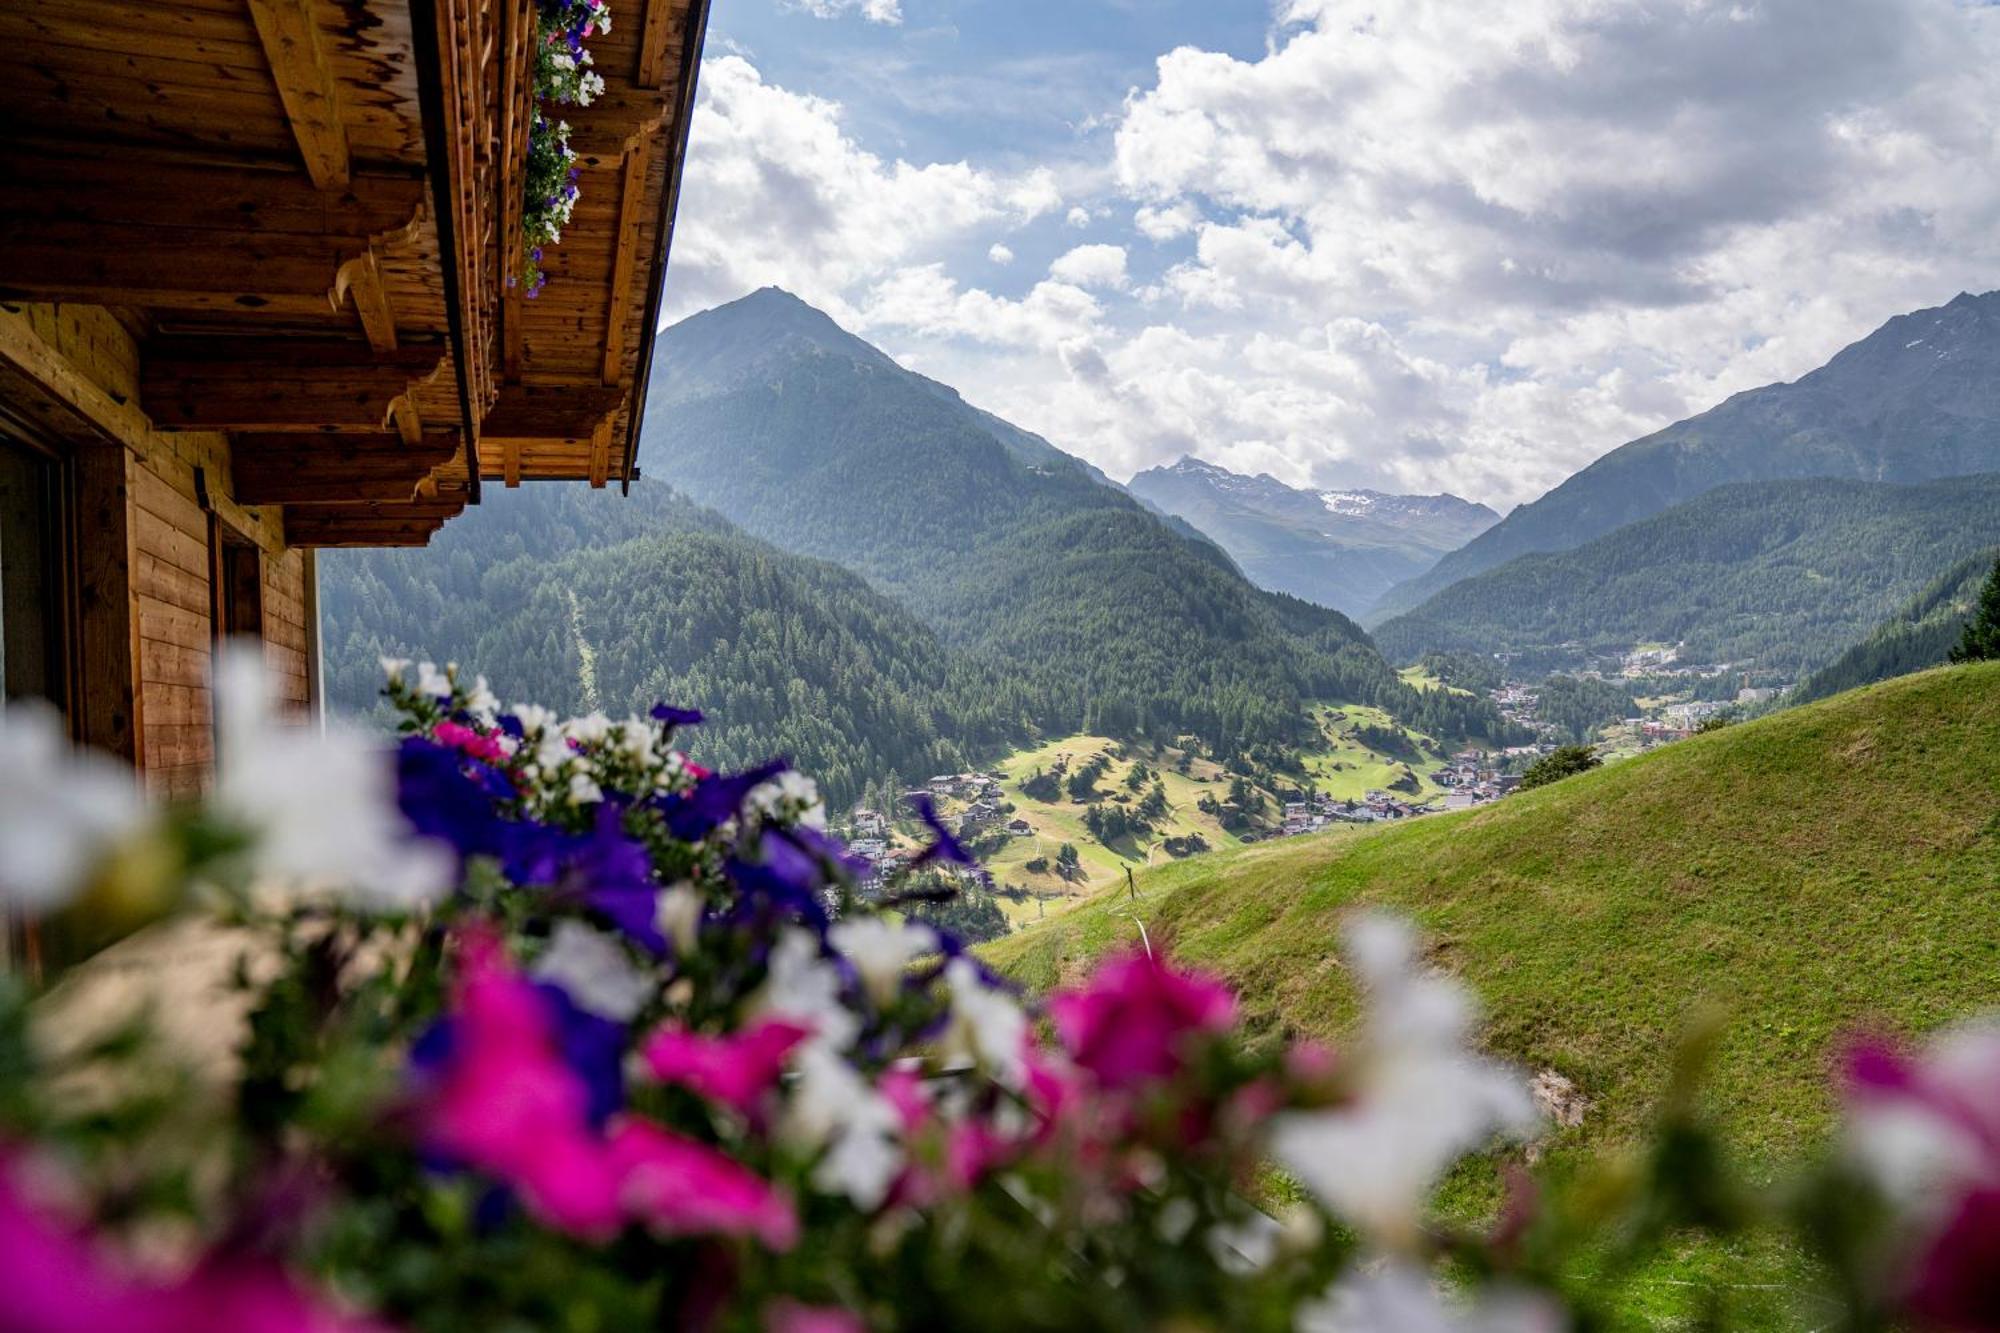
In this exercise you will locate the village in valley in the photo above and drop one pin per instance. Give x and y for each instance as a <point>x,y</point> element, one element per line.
<point>1055,824</point>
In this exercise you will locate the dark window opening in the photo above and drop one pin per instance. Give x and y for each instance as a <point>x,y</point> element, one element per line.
<point>31,574</point>
<point>239,588</point>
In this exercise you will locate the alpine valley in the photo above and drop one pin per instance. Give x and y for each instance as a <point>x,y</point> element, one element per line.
<point>887,583</point>
<point>891,586</point>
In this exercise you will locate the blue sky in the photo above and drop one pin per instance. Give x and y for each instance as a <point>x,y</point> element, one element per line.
<point>1428,245</point>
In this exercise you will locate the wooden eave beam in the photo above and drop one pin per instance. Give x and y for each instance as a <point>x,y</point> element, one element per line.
<point>297,55</point>
<point>367,524</point>
<point>172,231</point>
<point>167,187</point>
<point>659,52</point>
<point>316,468</point>
<point>625,259</point>
<point>267,384</point>
<point>604,131</point>
<point>550,413</point>
<point>314,533</point>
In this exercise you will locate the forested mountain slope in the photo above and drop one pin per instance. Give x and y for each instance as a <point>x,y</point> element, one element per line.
<point>1916,400</point>
<point>577,600</point>
<point>1786,574</point>
<point>1104,617</point>
<point>1920,635</point>
<point>1342,549</point>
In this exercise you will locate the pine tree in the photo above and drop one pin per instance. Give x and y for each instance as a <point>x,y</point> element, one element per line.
<point>1981,641</point>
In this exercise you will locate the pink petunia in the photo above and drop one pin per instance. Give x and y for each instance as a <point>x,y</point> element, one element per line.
<point>469,742</point>
<point>904,1090</point>
<point>735,1070</point>
<point>57,1278</point>
<point>1929,1128</point>
<point>677,1187</point>
<point>971,1150</point>
<point>507,1104</point>
<point>54,1276</point>
<point>251,1297</point>
<point>1131,1024</point>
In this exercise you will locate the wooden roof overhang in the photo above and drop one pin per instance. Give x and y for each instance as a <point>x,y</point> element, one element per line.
<point>308,211</point>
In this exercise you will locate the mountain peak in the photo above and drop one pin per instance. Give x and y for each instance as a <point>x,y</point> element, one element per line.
<point>745,339</point>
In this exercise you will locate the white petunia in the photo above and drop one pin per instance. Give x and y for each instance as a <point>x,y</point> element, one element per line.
<point>321,804</point>
<point>790,795</point>
<point>393,669</point>
<point>636,740</point>
<point>480,701</point>
<point>804,988</point>
<point>534,719</point>
<point>1422,1098</point>
<point>433,683</point>
<point>552,751</point>
<point>881,950</point>
<point>833,1106</point>
<point>590,729</point>
<point>986,1025</point>
<point>62,809</point>
<point>583,791</point>
<point>595,971</point>
<point>678,915</point>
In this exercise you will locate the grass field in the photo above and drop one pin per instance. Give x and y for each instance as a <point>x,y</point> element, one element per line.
<point>1346,768</point>
<point>1060,821</point>
<point>1819,871</point>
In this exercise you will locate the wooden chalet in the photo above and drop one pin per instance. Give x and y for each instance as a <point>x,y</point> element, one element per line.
<point>254,301</point>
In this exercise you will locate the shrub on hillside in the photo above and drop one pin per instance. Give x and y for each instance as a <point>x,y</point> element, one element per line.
<point>1565,761</point>
<point>1981,640</point>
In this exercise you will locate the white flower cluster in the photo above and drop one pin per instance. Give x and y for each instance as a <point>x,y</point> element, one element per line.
<point>319,806</point>
<point>832,1107</point>
<point>441,687</point>
<point>790,798</point>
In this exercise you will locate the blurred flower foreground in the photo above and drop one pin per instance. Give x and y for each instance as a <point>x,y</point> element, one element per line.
<point>545,1026</point>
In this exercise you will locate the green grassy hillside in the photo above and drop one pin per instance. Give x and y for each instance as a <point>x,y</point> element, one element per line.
<point>1833,866</point>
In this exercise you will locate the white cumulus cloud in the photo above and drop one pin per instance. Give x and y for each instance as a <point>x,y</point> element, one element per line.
<point>875,11</point>
<point>1091,266</point>
<point>1420,246</point>
<point>777,191</point>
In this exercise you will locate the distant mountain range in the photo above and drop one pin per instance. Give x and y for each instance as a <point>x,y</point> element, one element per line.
<point>1783,573</point>
<point>1917,400</point>
<point>1342,549</point>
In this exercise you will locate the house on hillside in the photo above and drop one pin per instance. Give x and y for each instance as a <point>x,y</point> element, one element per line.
<point>1020,828</point>
<point>262,294</point>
